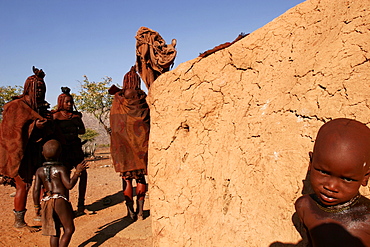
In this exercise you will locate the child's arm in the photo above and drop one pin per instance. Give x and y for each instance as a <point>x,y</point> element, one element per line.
<point>301,207</point>
<point>68,182</point>
<point>36,192</point>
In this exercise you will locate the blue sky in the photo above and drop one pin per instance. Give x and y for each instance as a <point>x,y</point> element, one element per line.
<point>72,38</point>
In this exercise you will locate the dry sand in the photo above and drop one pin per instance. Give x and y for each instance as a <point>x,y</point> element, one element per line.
<point>104,224</point>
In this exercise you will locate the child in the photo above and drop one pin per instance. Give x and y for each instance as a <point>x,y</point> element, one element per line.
<point>336,214</point>
<point>56,209</point>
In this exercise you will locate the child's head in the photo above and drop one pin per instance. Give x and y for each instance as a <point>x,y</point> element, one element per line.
<point>51,150</point>
<point>340,160</point>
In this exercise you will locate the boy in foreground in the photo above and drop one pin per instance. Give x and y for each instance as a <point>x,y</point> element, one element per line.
<point>56,210</point>
<point>336,214</point>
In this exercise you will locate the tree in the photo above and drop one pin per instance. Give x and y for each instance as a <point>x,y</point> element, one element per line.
<point>89,135</point>
<point>94,98</point>
<point>6,94</point>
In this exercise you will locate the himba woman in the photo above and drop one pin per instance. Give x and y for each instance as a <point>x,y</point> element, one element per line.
<point>129,122</point>
<point>68,125</point>
<point>24,129</point>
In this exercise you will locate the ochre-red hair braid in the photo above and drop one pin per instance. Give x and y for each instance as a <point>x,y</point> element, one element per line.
<point>30,86</point>
<point>131,80</point>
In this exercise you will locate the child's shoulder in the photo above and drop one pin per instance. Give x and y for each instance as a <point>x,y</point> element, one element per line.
<point>363,204</point>
<point>52,164</point>
<point>40,169</point>
<point>303,204</point>
<point>303,201</point>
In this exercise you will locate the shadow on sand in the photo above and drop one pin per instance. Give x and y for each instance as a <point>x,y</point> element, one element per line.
<point>110,230</point>
<point>106,202</point>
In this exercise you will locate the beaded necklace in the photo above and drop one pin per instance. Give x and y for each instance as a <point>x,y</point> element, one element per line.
<point>340,207</point>
<point>66,115</point>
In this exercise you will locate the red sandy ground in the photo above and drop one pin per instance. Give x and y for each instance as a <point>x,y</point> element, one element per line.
<point>104,224</point>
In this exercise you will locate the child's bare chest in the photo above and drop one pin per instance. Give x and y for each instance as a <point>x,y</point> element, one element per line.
<point>347,227</point>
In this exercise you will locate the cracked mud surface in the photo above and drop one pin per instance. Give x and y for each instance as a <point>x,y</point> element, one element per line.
<point>231,132</point>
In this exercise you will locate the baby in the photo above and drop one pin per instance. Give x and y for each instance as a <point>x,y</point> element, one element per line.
<point>336,214</point>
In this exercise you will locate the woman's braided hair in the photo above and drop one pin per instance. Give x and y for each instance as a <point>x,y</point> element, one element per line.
<point>131,80</point>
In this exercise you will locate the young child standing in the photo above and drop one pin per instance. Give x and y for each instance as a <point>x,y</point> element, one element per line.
<point>55,208</point>
<point>336,214</point>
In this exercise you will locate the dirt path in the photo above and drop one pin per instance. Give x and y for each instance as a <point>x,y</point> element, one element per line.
<point>104,224</point>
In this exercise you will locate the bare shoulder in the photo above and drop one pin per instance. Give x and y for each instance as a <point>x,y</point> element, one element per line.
<point>39,171</point>
<point>57,115</point>
<point>60,168</point>
<point>303,205</point>
<point>303,201</point>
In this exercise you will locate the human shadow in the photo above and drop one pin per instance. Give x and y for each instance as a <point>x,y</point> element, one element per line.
<point>111,229</point>
<point>107,231</point>
<point>299,227</point>
<point>307,189</point>
<point>280,244</point>
<point>332,234</point>
<point>109,201</point>
<point>329,234</point>
<point>106,202</point>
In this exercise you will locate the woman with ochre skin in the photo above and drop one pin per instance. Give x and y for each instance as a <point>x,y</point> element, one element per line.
<point>69,125</point>
<point>24,129</point>
<point>130,125</point>
<point>336,214</point>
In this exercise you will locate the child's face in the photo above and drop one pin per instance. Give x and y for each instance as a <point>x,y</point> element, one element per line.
<point>337,176</point>
<point>68,103</point>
